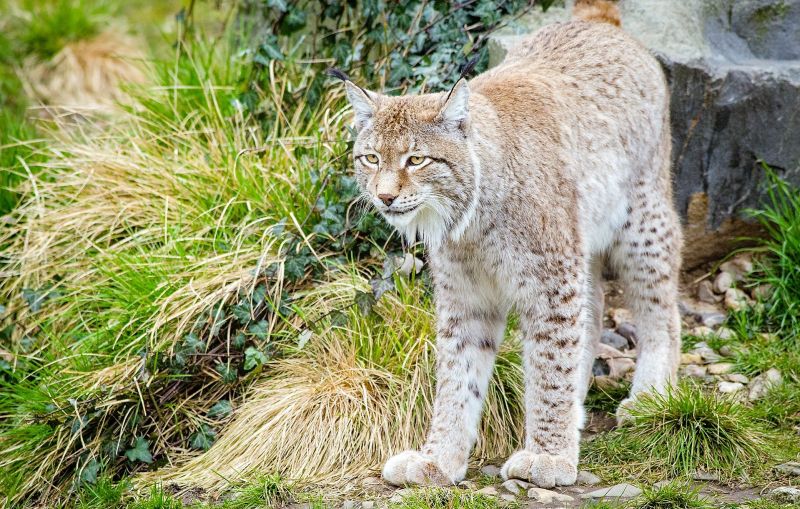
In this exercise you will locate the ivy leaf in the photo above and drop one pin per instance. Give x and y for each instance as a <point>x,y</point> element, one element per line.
<point>259,294</point>
<point>253,358</point>
<point>241,311</point>
<point>228,374</point>
<point>203,438</point>
<point>140,451</point>
<point>193,344</point>
<point>259,329</point>
<point>365,301</point>
<point>239,340</point>
<point>339,318</point>
<point>221,408</point>
<point>90,471</point>
<point>381,286</point>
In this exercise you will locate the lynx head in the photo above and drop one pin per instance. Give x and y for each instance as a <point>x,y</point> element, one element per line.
<point>413,159</point>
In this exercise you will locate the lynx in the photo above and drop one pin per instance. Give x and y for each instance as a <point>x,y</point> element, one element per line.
<point>523,183</point>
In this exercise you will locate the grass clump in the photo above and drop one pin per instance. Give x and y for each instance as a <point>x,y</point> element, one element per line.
<point>680,432</point>
<point>674,495</point>
<point>440,498</point>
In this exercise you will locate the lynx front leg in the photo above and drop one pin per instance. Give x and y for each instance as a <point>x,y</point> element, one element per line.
<point>554,325</point>
<point>469,334</point>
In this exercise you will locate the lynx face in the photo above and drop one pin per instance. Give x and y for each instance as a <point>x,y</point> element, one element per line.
<point>413,161</point>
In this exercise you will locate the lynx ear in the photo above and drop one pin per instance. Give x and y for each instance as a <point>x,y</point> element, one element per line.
<point>364,102</point>
<point>455,111</point>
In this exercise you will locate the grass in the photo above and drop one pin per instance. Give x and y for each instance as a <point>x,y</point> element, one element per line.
<point>674,495</point>
<point>679,433</point>
<point>439,498</point>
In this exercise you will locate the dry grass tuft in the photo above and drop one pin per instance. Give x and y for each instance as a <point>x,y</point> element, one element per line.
<point>87,74</point>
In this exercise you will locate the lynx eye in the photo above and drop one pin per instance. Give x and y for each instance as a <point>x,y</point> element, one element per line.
<point>371,158</point>
<point>416,160</point>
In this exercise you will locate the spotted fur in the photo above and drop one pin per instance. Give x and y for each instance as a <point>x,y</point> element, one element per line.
<point>535,174</point>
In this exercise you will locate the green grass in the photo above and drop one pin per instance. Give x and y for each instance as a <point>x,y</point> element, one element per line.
<point>674,495</point>
<point>680,432</point>
<point>440,498</point>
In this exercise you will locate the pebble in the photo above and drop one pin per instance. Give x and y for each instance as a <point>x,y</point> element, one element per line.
<point>587,478</point>
<point>372,481</point>
<point>720,368</point>
<point>713,319</point>
<point>621,367</point>
<point>546,497</point>
<point>623,490</point>
<point>468,485</point>
<point>691,358</point>
<point>723,282</point>
<point>702,331</point>
<point>737,377</point>
<point>702,475</point>
<point>706,353</point>
<point>490,470</point>
<point>726,350</point>
<point>736,299</point>
<point>738,267</point>
<point>694,371</point>
<point>367,504</point>
<point>620,316</point>
<point>729,387</point>
<point>790,468</point>
<point>761,384</point>
<point>350,504</point>
<point>705,293</point>
<point>785,494</point>
<point>508,497</point>
<point>489,491</point>
<point>613,339</point>
<point>628,331</point>
<point>606,383</point>
<point>763,292</point>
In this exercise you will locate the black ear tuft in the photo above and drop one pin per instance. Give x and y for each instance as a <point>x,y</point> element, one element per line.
<point>469,66</point>
<point>336,73</point>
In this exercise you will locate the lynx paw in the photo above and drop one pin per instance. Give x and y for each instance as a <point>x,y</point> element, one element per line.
<point>543,470</point>
<point>413,467</point>
<point>624,411</point>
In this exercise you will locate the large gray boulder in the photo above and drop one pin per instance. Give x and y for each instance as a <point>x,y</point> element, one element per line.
<point>734,71</point>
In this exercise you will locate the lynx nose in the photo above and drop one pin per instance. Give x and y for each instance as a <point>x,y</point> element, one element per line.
<point>386,198</point>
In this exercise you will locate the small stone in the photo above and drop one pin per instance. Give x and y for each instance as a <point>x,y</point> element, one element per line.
<point>691,358</point>
<point>790,468</point>
<point>621,367</point>
<point>785,494</point>
<point>468,485</point>
<point>723,282</point>
<point>620,316</point>
<point>766,336</point>
<point>489,491</point>
<point>705,293</point>
<point>512,487</point>
<point>726,351</point>
<point>628,331</point>
<point>367,504</point>
<point>713,319</point>
<point>623,490</point>
<point>702,475</point>
<point>350,504</point>
<point>546,497</point>
<point>736,300</point>
<point>606,383</point>
<point>706,353</point>
<point>408,264</point>
<point>737,377</point>
<point>372,481</point>
<point>760,385</point>
<point>762,292</point>
<point>490,470</point>
<point>725,333</point>
<point>738,267</point>
<point>508,497</point>
<point>587,478</point>
<point>729,387</point>
<point>702,331</point>
<point>720,368</point>
<point>613,339</point>
<point>694,371</point>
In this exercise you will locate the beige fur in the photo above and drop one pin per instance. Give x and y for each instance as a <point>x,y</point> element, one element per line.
<point>522,183</point>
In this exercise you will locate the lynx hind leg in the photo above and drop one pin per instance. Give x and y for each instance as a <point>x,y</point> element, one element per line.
<point>647,258</point>
<point>595,301</point>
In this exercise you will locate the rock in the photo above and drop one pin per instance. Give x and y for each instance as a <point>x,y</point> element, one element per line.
<point>706,353</point>
<point>720,368</point>
<point>705,292</point>
<point>547,497</point>
<point>785,494</point>
<point>790,468</point>
<point>762,292</point>
<point>723,282</point>
<point>712,320</point>
<point>467,485</point>
<point>606,383</point>
<point>760,385</point>
<point>726,350</point>
<point>367,504</point>
<point>489,491</point>
<point>738,267</point>
<point>587,478</point>
<point>508,497</point>
<point>729,387</point>
<point>408,264</point>
<point>737,378</point>
<point>628,331</point>
<point>512,486</point>
<point>490,470</point>
<point>694,371</point>
<point>734,73</point>
<point>691,358</point>
<point>600,367</point>
<point>620,316</point>
<point>614,340</point>
<point>702,331</point>
<point>623,490</point>
<point>702,475</point>
<point>350,504</point>
<point>736,299</point>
